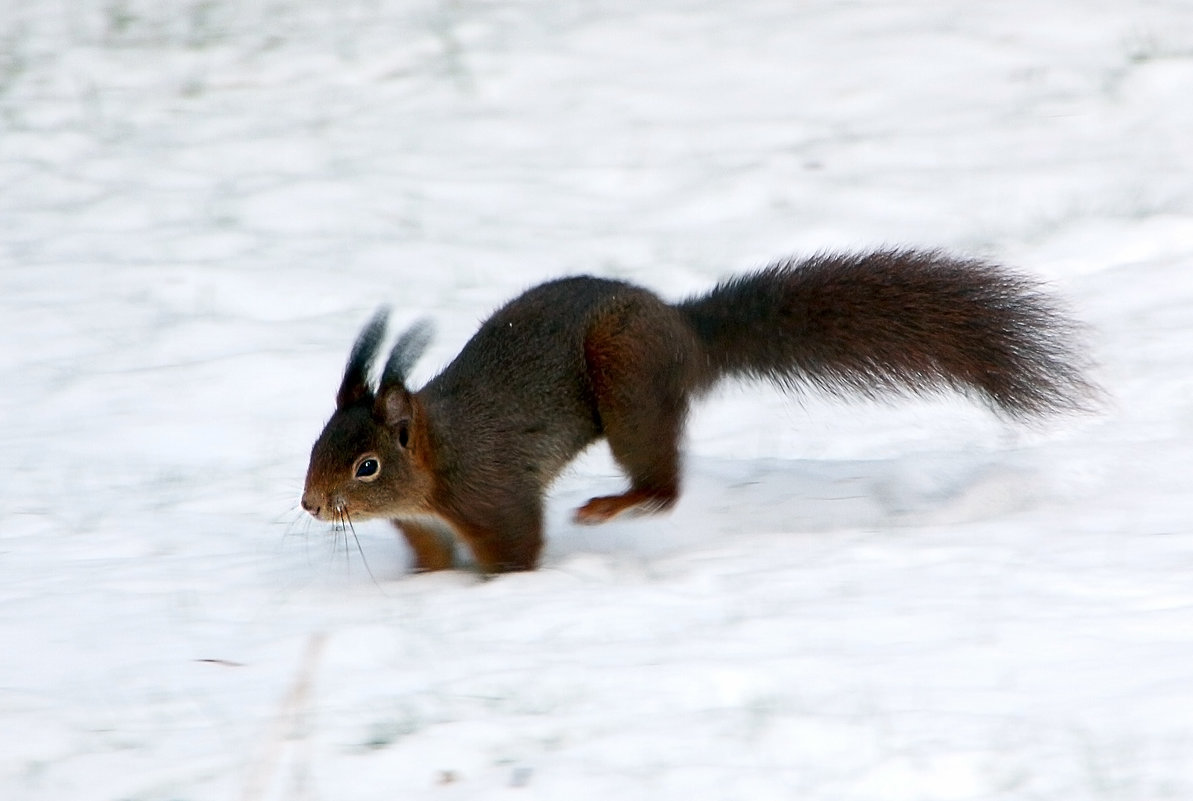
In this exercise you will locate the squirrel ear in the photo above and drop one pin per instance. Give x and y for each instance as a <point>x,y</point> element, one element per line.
<point>355,384</point>
<point>394,407</point>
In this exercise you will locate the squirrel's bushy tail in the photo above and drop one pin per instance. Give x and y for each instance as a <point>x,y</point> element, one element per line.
<point>896,321</point>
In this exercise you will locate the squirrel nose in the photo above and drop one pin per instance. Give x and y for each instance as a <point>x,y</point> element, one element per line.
<point>311,504</point>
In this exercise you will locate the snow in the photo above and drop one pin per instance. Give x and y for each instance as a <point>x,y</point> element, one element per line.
<point>202,203</point>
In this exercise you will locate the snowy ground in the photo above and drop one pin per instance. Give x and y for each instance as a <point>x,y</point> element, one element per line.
<point>202,201</point>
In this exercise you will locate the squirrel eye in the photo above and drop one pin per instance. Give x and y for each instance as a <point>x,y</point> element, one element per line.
<point>368,468</point>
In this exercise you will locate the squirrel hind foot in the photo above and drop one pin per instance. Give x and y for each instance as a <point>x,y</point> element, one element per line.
<point>636,502</point>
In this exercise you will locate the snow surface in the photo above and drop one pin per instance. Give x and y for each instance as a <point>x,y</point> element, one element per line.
<point>203,201</point>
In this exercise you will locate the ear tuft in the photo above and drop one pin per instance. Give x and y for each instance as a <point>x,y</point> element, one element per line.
<point>405,353</point>
<point>355,385</point>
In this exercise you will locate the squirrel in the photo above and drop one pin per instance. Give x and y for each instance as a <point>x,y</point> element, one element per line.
<point>578,359</point>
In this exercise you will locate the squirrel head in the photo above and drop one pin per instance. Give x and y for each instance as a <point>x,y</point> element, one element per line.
<point>372,459</point>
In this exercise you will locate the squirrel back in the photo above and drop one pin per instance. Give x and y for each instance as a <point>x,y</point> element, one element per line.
<point>472,453</point>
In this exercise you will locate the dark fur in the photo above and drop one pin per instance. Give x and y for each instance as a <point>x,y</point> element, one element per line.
<point>579,359</point>
<point>896,321</point>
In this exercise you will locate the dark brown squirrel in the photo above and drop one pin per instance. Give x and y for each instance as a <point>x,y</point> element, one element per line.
<point>577,359</point>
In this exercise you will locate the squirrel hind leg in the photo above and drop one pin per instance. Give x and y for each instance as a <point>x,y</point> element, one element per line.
<point>639,368</point>
<point>637,501</point>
